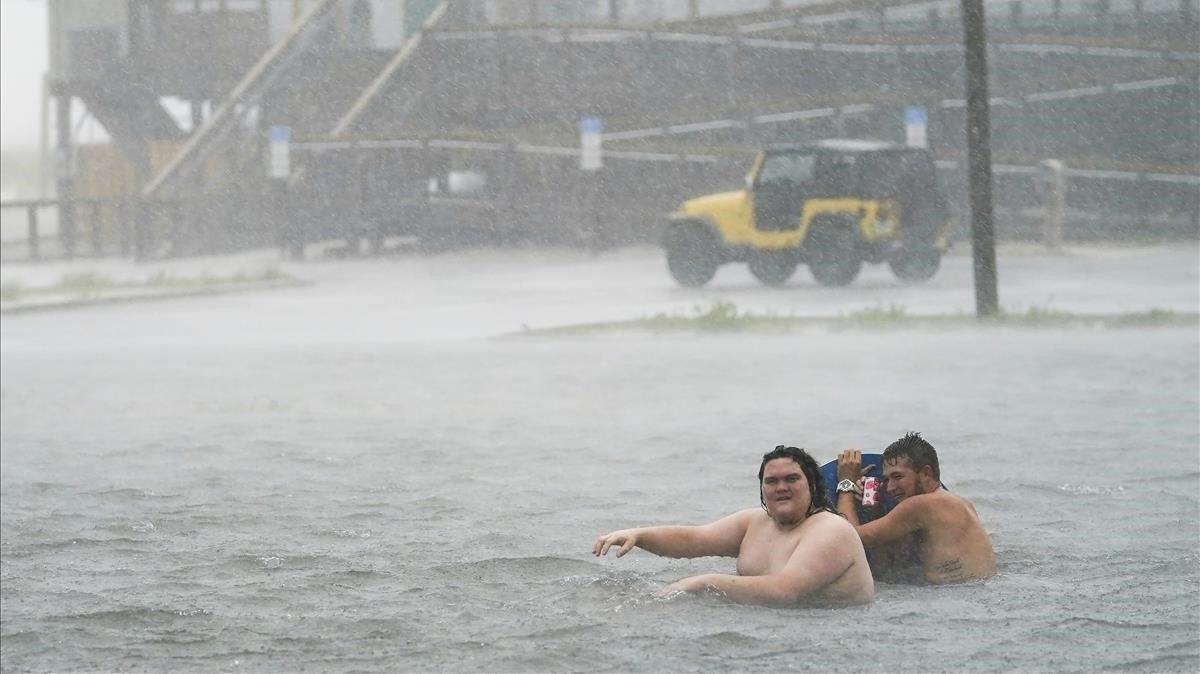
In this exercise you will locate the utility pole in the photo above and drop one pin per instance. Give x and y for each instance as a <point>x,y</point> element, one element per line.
<point>979,159</point>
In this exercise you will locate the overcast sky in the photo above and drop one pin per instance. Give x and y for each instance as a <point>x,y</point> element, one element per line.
<point>22,62</point>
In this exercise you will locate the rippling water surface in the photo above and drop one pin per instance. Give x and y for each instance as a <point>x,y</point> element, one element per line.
<point>432,507</point>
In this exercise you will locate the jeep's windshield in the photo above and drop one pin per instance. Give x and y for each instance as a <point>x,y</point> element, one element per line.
<point>787,169</point>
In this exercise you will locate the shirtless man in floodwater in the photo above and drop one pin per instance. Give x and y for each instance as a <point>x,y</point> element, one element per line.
<point>795,550</point>
<point>930,528</point>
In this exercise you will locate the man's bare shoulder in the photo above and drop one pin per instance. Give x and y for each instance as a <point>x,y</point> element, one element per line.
<point>833,523</point>
<point>943,497</point>
<point>751,517</point>
<point>939,507</point>
<point>917,511</point>
<point>823,522</point>
<point>934,499</point>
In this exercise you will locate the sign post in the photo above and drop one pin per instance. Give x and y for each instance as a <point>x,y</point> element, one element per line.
<point>591,160</point>
<point>280,161</point>
<point>591,153</point>
<point>915,124</point>
<point>279,169</point>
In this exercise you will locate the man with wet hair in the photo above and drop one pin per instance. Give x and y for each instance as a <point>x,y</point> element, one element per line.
<point>793,550</point>
<point>931,534</point>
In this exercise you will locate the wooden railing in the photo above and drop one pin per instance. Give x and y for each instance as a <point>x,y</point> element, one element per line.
<point>131,226</point>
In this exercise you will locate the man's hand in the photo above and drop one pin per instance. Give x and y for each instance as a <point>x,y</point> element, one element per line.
<point>624,539</point>
<point>850,466</point>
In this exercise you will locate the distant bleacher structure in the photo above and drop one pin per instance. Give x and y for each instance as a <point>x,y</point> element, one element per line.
<point>459,120</point>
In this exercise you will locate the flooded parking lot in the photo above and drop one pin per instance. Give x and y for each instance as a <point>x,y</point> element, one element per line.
<point>356,475</point>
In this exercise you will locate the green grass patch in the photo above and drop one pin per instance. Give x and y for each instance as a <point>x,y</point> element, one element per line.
<point>90,284</point>
<point>164,280</point>
<point>724,316</point>
<point>888,315</point>
<point>10,291</point>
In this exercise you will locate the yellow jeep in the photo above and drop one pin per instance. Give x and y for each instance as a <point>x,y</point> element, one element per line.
<point>831,205</point>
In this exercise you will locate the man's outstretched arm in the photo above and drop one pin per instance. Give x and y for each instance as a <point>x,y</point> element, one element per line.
<point>722,538</point>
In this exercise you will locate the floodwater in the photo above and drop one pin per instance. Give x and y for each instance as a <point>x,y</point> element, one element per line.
<point>283,502</point>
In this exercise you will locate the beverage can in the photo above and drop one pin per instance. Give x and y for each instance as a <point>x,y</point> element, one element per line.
<point>870,495</point>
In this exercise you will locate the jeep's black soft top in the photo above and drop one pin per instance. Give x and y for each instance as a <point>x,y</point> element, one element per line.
<point>870,169</point>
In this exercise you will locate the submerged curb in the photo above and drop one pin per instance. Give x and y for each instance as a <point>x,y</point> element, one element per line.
<point>134,295</point>
<point>766,324</point>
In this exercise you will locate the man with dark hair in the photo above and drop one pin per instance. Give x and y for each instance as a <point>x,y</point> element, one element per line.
<point>938,531</point>
<point>794,550</point>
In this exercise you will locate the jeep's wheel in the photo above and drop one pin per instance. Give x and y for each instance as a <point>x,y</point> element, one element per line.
<point>773,268</point>
<point>832,253</point>
<point>915,264</point>
<point>692,256</point>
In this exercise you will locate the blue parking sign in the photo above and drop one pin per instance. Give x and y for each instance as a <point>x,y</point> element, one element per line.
<point>915,114</point>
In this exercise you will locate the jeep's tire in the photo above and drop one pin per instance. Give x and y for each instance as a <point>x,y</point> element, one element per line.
<point>832,251</point>
<point>772,267</point>
<point>692,256</point>
<point>915,264</point>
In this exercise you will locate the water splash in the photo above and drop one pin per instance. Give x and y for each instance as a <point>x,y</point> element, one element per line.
<point>1090,490</point>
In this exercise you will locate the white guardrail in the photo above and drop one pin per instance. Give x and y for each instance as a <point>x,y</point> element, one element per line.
<point>776,118</point>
